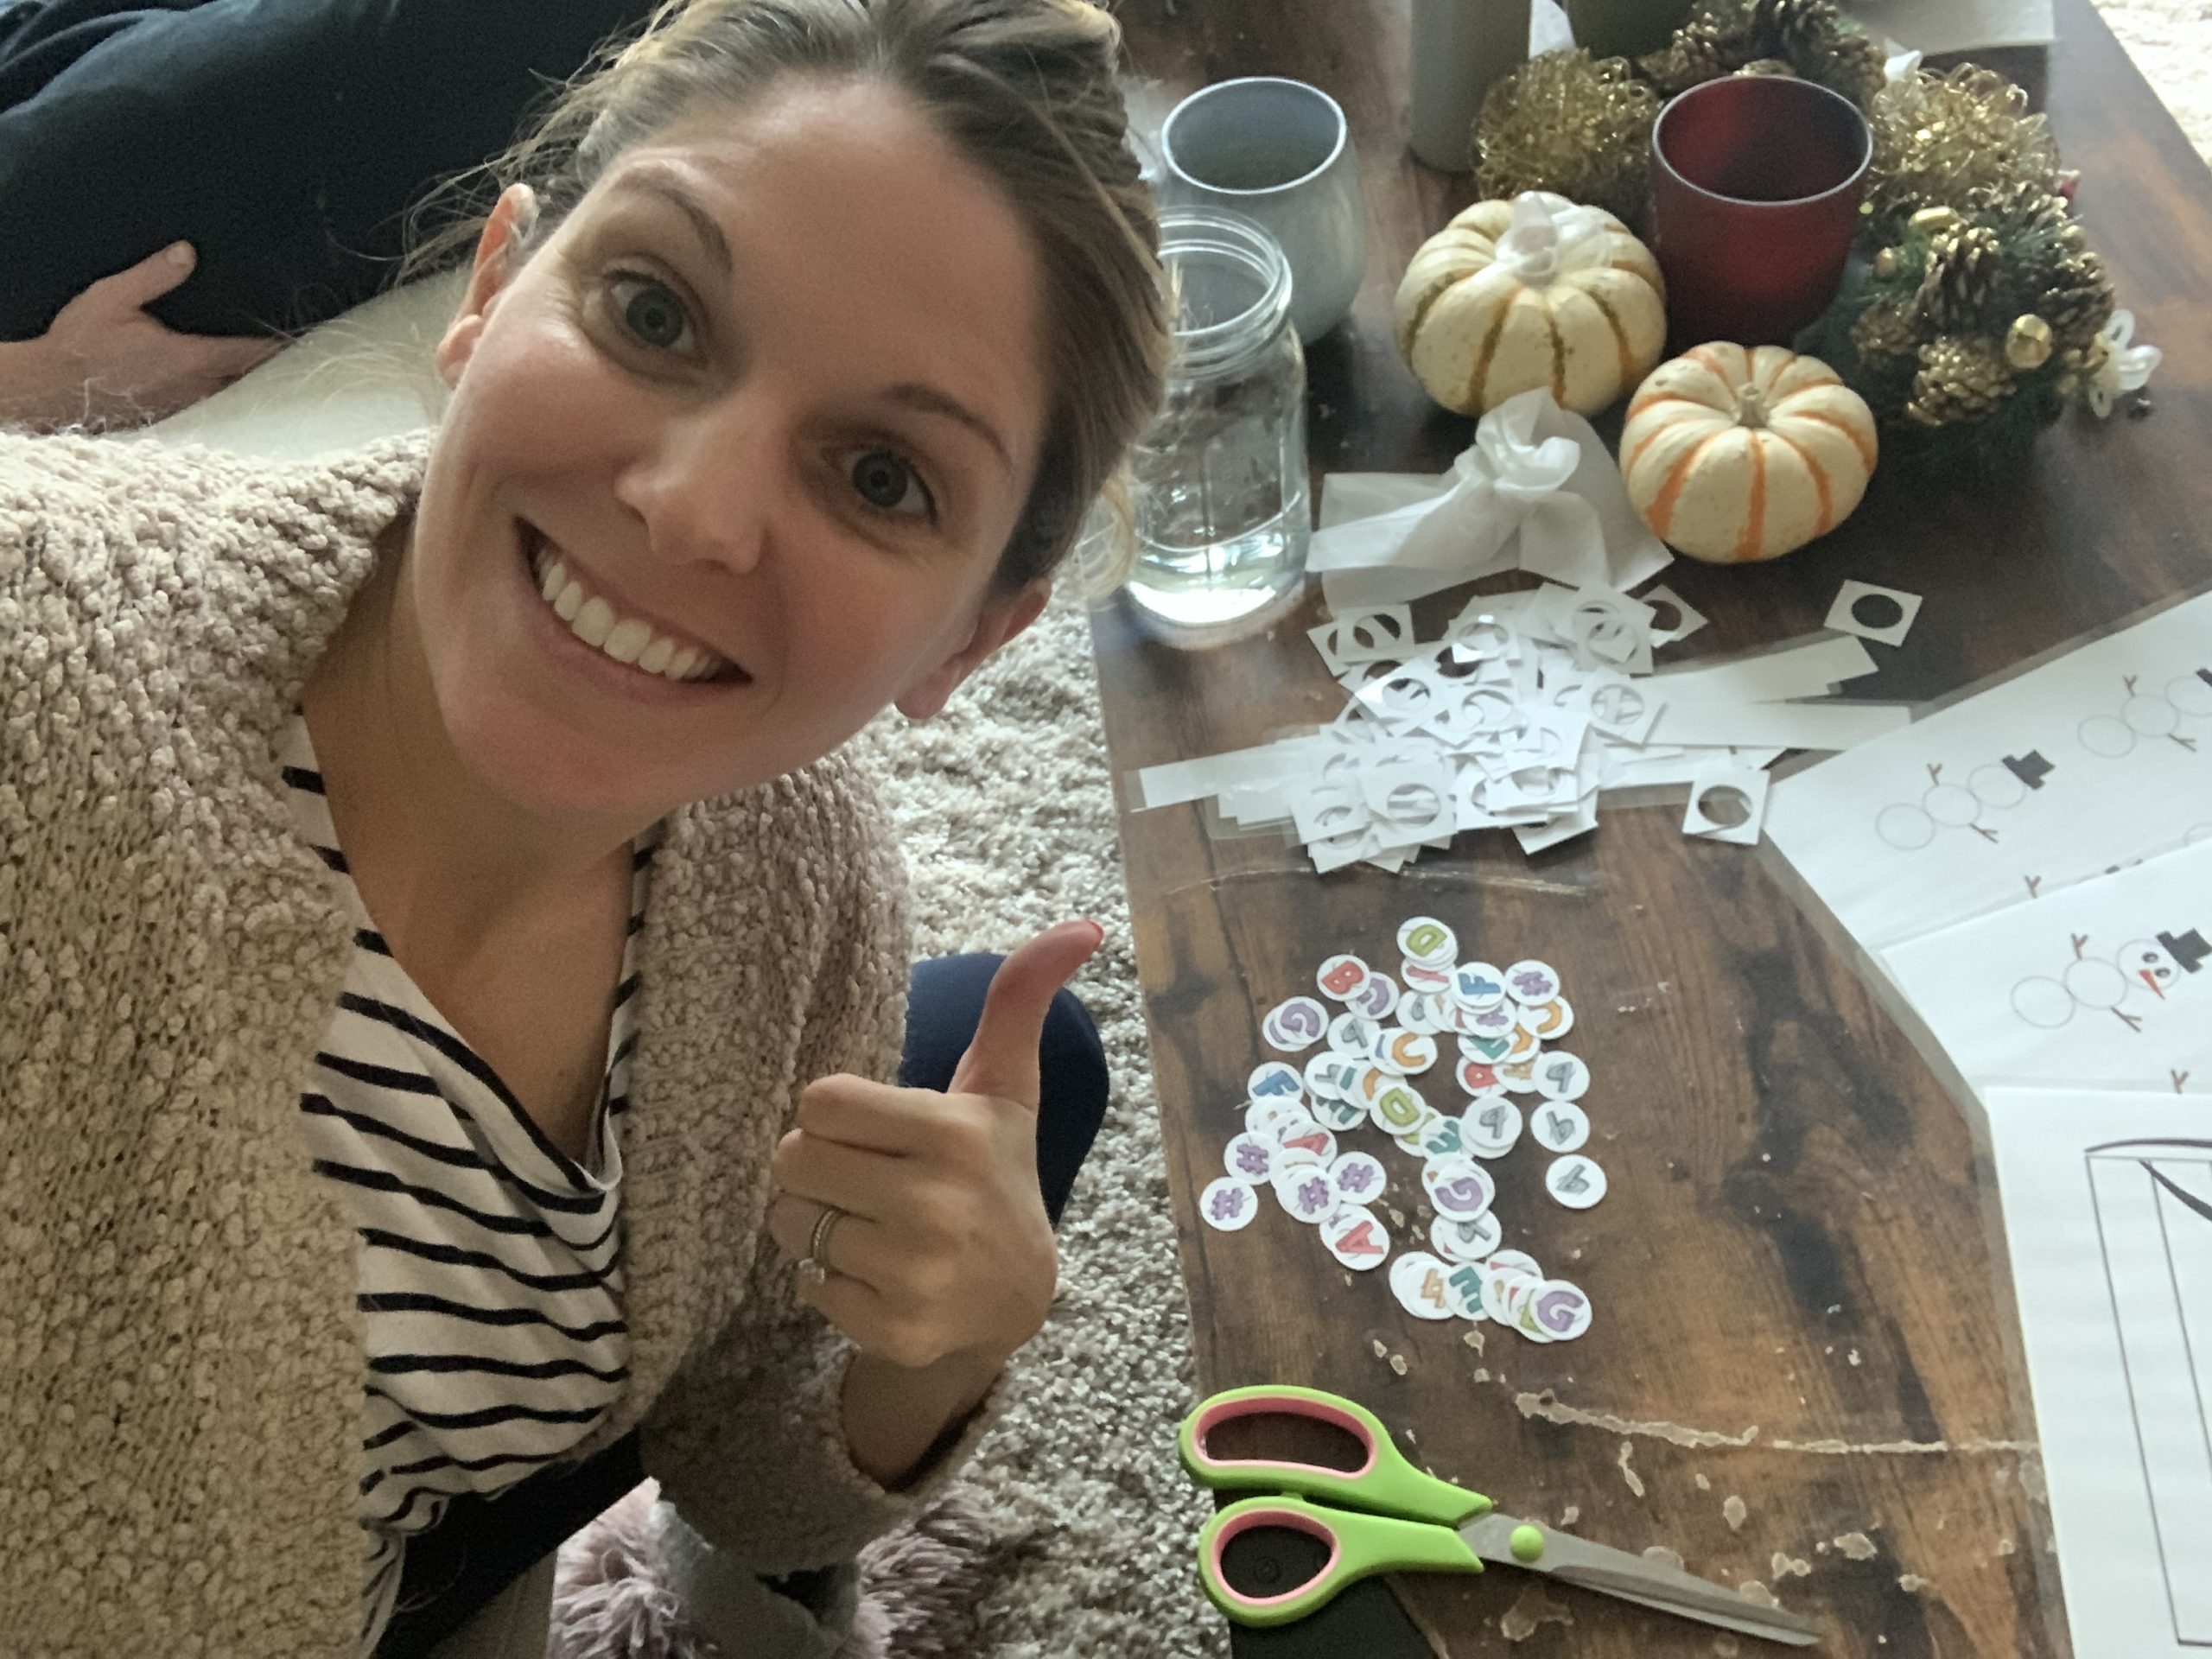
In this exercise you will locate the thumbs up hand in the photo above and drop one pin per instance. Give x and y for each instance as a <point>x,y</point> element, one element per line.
<point>942,1246</point>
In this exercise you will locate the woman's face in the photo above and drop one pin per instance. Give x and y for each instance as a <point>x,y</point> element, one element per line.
<point>776,446</point>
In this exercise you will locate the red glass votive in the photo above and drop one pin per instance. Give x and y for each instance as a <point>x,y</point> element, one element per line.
<point>1755,188</point>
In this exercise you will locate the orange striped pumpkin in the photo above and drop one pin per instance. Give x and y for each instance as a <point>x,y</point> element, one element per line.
<point>1732,456</point>
<point>1532,292</point>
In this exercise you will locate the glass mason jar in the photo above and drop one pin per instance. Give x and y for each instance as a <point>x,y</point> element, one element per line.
<point>1219,480</point>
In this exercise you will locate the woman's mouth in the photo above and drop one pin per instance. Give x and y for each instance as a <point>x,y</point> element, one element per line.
<point>632,641</point>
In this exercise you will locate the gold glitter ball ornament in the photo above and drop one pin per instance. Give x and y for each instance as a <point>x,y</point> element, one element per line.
<point>2028,345</point>
<point>1939,138</point>
<point>1572,124</point>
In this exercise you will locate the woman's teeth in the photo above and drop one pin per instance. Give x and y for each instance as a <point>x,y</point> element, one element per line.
<point>628,641</point>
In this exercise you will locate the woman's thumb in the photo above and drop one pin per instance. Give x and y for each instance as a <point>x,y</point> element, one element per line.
<point>1002,1059</point>
<point>151,278</point>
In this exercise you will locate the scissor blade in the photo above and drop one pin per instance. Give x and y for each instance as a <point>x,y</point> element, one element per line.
<point>1633,1577</point>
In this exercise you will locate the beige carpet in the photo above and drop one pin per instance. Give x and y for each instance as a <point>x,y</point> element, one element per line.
<point>1011,826</point>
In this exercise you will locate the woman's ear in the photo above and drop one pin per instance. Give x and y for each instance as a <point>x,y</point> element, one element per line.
<point>1000,620</point>
<point>499,255</point>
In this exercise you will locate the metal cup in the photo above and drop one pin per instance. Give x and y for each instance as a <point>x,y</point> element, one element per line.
<point>1279,152</point>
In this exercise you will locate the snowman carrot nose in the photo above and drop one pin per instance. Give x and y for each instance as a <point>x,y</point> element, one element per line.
<point>2151,980</point>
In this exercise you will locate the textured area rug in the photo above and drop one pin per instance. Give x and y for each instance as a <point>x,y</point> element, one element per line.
<point>2171,43</point>
<point>1008,814</point>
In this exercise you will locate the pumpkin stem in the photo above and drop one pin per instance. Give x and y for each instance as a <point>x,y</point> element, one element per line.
<point>1751,406</point>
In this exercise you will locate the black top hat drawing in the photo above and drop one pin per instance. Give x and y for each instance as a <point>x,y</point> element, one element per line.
<point>2189,950</point>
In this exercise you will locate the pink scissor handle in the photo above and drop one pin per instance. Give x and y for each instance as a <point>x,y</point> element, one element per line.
<point>1359,1546</point>
<point>1240,1403</point>
<point>1252,1516</point>
<point>1384,1483</point>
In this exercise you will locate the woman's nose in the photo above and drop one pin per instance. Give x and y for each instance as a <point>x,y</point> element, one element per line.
<point>709,489</point>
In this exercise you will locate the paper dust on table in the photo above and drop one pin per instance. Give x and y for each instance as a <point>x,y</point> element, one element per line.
<point>1535,1608</point>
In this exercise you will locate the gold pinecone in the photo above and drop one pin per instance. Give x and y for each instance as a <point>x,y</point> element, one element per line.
<point>2077,300</point>
<point>1723,37</point>
<point>1962,269</point>
<point>1884,329</point>
<point>1699,52</point>
<point>1960,378</point>
<point>1812,36</point>
<point>2028,201</point>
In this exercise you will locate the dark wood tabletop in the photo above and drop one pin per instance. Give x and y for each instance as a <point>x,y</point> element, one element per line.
<point>1801,1296</point>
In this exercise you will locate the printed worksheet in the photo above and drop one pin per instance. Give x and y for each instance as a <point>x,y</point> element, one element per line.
<point>2107,983</point>
<point>2098,759</point>
<point>2108,1202</point>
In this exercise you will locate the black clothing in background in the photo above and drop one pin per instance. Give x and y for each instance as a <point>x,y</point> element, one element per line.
<point>283,138</point>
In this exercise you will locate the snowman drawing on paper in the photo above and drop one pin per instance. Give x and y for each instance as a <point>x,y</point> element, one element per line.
<point>2131,985</point>
<point>1945,804</point>
<point>2176,712</point>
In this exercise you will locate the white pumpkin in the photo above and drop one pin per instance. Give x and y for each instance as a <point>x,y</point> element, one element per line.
<point>1532,292</point>
<point>1732,456</point>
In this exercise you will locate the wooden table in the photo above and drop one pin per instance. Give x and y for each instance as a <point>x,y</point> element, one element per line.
<point>1801,1292</point>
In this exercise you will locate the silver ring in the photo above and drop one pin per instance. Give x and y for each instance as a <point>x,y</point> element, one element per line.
<point>817,1244</point>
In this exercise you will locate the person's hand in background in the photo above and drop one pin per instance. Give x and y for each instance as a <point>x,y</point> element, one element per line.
<point>106,362</point>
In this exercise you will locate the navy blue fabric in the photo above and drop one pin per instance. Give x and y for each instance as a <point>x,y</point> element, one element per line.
<point>283,138</point>
<point>482,1545</point>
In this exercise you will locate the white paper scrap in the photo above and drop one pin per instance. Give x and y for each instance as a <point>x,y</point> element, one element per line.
<point>1174,782</point>
<point>2099,757</point>
<point>1674,617</point>
<point>1788,725</point>
<point>1939,26</point>
<point>2108,1202</point>
<point>1714,789</point>
<point>1810,669</point>
<point>2107,983</point>
<point>1880,613</point>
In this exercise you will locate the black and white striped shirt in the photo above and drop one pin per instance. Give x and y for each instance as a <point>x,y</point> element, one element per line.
<point>491,1283</point>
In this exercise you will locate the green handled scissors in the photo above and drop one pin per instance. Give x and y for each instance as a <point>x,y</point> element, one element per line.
<point>1387,1517</point>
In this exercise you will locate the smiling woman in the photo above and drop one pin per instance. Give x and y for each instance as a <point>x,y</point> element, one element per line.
<point>451,974</point>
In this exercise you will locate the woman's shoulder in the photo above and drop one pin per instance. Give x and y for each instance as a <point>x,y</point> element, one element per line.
<point>89,507</point>
<point>98,531</point>
<point>193,586</point>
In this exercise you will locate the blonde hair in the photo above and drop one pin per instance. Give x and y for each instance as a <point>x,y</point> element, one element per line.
<point>1027,90</point>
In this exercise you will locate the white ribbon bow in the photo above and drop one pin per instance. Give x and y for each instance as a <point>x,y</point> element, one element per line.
<point>2124,368</point>
<point>1534,468</point>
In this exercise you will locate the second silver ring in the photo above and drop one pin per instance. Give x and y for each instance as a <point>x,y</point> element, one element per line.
<point>818,1242</point>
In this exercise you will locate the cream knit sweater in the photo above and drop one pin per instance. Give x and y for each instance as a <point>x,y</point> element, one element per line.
<point>181,1363</point>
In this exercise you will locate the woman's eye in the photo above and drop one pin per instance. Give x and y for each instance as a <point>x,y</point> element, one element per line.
<point>651,310</point>
<point>886,483</point>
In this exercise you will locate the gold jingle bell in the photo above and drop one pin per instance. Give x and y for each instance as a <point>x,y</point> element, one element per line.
<point>1928,220</point>
<point>1885,264</point>
<point>2028,345</point>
